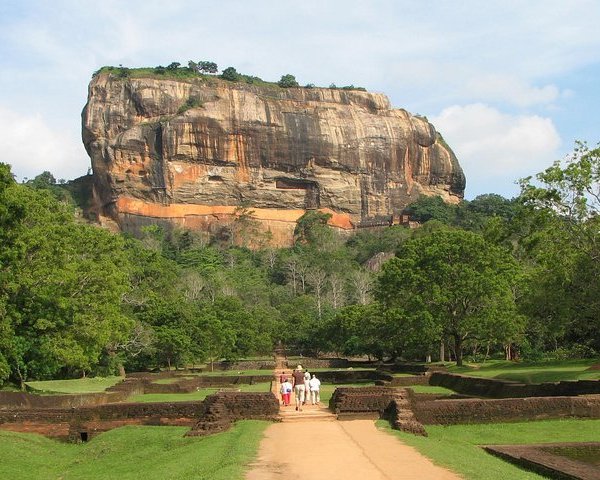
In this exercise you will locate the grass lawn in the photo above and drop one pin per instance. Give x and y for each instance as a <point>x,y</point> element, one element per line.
<point>457,446</point>
<point>532,372</point>
<point>196,396</point>
<point>431,389</point>
<point>78,385</point>
<point>129,453</point>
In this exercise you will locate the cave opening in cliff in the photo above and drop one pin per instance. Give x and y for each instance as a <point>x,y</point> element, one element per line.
<point>312,196</point>
<point>215,178</point>
<point>294,184</point>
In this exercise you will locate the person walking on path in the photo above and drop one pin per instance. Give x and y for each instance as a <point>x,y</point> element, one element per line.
<point>286,391</point>
<point>315,386</point>
<point>282,379</point>
<point>306,387</point>
<point>299,389</point>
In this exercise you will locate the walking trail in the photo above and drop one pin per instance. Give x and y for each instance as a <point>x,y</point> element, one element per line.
<point>314,445</point>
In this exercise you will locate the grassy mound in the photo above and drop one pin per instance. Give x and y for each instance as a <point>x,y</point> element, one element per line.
<point>133,453</point>
<point>532,372</point>
<point>78,385</point>
<point>457,446</point>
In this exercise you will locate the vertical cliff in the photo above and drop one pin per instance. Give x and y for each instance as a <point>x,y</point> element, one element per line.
<point>192,152</point>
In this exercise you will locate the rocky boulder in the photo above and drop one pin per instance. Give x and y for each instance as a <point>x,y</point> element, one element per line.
<point>204,153</point>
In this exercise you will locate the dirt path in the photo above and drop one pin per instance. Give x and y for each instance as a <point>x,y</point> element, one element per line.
<point>313,445</point>
<point>344,450</point>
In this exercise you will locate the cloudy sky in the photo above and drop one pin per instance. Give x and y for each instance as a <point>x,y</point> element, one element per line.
<point>510,84</point>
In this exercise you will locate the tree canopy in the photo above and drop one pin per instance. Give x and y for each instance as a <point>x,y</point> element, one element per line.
<point>490,276</point>
<point>451,282</point>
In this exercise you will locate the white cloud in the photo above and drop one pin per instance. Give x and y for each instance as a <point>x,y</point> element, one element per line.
<point>508,88</point>
<point>494,148</point>
<point>30,145</point>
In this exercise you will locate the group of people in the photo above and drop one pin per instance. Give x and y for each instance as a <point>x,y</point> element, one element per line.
<point>304,386</point>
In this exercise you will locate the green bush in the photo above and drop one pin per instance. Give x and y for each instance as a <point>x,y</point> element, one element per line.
<point>230,74</point>
<point>192,102</point>
<point>287,81</point>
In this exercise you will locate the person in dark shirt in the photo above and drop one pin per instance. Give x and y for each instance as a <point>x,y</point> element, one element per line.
<point>299,389</point>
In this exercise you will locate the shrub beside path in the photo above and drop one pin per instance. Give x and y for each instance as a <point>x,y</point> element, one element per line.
<point>310,445</point>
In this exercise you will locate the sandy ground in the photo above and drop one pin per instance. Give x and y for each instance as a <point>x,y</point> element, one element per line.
<point>344,450</point>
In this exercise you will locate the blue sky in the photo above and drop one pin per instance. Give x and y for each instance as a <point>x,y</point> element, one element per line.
<point>510,84</point>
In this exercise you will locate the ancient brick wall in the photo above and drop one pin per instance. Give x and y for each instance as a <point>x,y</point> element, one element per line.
<point>216,413</point>
<point>541,459</point>
<point>413,368</point>
<point>117,393</point>
<point>460,411</point>
<point>350,376</point>
<point>220,410</point>
<point>488,387</point>
<point>62,422</point>
<point>186,385</point>
<point>244,365</point>
<point>346,400</point>
<point>310,362</point>
<point>407,381</point>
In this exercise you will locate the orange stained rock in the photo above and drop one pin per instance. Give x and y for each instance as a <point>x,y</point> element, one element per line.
<point>178,210</point>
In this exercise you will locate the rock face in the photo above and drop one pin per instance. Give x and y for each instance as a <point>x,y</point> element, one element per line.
<point>193,152</point>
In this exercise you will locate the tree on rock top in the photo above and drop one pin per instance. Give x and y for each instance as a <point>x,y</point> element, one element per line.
<point>287,81</point>
<point>230,74</point>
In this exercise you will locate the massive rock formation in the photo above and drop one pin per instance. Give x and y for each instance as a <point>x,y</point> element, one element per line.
<point>193,152</point>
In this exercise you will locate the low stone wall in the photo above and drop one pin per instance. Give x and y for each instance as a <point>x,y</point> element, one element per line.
<point>220,410</point>
<point>117,393</point>
<point>539,459</point>
<point>350,400</point>
<point>139,384</point>
<point>351,376</point>
<point>311,362</point>
<point>216,413</point>
<point>187,385</point>
<point>472,410</point>
<point>392,381</point>
<point>494,388</point>
<point>412,368</point>
<point>243,365</point>
<point>393,404</point>
<point>400,414</point>
<point>23,400</point>
<point>62,422</point>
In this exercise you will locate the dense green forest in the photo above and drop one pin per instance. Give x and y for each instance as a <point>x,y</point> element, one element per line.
<point>488,277</point>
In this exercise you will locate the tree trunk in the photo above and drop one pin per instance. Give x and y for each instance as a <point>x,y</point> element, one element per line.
<point>121,371</point>
<point>458,350</point>
<point>442,351</point>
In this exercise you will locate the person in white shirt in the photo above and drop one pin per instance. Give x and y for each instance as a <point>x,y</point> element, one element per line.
<point>315,386</point>
<point>306,386</point>
<point>286,390</point>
